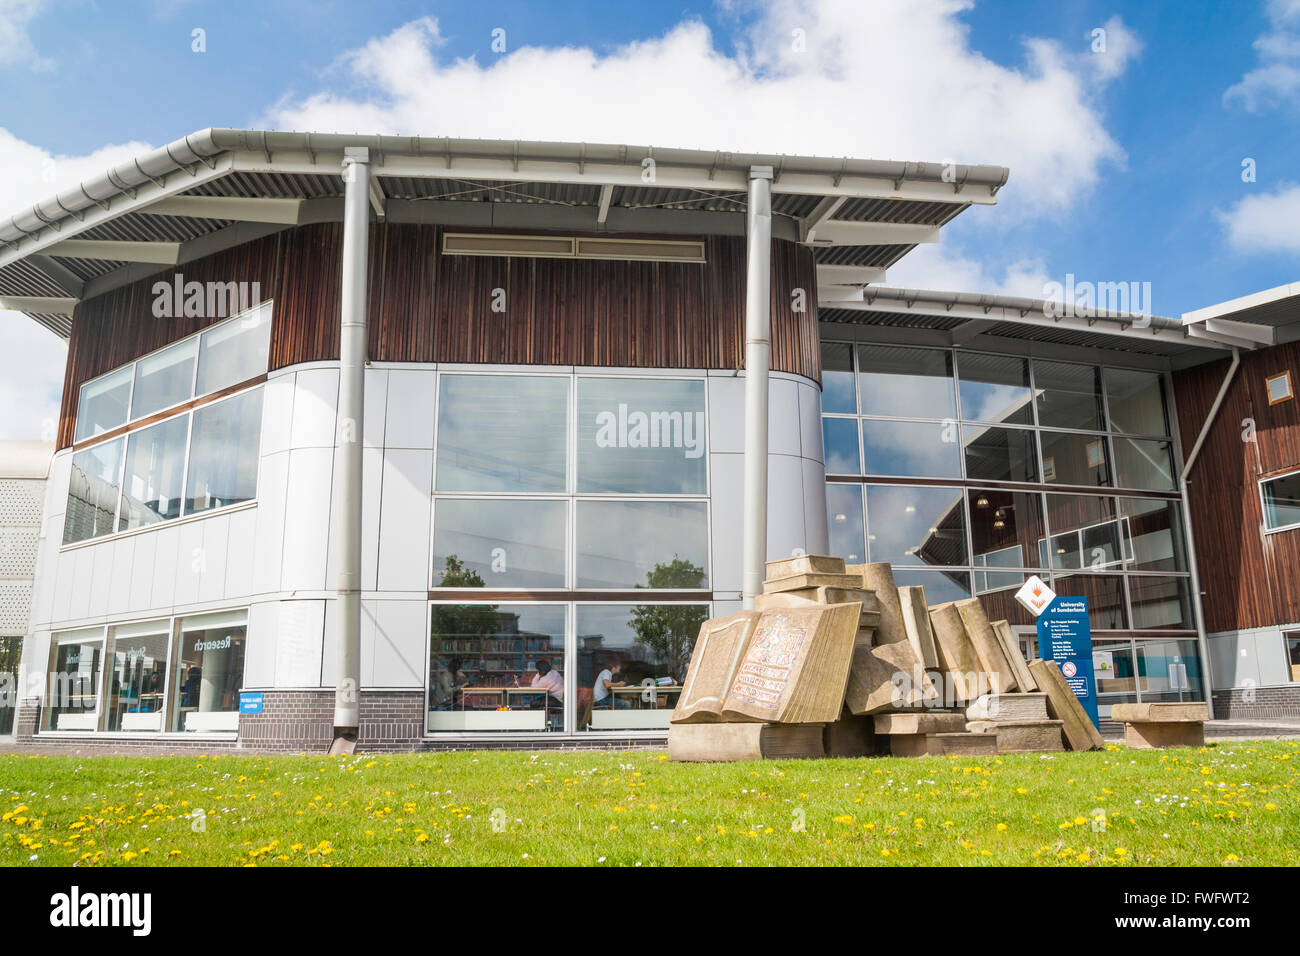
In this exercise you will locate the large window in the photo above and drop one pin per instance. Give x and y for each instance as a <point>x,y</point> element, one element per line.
<point>75,672</point>
<point>180,675</point>
<point>497,667</point>
<point>203,457</point>
<point>969,471</point>
<point>556,481</point>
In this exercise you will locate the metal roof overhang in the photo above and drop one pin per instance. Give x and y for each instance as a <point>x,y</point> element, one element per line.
<point>1034,327</point>
<point>219,187</point>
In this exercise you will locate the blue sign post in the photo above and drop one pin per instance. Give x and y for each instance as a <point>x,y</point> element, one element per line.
<point>1065,636</point>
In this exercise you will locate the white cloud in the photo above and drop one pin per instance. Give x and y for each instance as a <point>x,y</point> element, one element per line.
<point>1112,49</point>
<point>930,267</point>
<point>1277,78</point>
<point>31,364</point>
<point>16,47</point>
<point>31,378</point>
<point>898,81</point>
<point>1265,223</point>
<point>33,174</point>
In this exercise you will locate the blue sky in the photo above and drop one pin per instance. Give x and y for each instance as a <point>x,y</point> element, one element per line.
<point>1126,163</point>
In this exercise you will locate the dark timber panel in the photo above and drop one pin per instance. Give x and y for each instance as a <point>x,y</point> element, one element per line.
<point>1248,579</point>
<point>427,307</point>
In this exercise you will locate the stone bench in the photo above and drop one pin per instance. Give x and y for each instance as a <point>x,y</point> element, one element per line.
<point>1162,724</point>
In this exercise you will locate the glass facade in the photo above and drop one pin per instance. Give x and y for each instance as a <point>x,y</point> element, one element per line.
<point>969,471</point>
<point>174,674</point>
<point>560,483</point>
<point>196,460</point>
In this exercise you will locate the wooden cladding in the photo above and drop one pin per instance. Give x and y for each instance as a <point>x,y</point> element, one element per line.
<point>429,307</point>
<point>1249,578</point>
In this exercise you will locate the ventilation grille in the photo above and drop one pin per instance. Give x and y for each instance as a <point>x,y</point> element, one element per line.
<point>563,247</point>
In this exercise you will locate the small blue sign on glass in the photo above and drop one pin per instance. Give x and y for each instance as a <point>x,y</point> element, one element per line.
<point>250,702</point>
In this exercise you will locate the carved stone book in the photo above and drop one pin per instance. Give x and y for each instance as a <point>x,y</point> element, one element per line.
<point>796,666</point>
<point>719,648</point>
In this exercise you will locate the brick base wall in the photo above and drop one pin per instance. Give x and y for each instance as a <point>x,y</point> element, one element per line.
<point>1257,703</point>
<point>298,721</point>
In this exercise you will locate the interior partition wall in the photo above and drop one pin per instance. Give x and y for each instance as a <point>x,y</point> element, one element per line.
<point>970,470</point>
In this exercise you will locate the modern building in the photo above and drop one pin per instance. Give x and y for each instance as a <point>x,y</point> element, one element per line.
<point>444,442</point>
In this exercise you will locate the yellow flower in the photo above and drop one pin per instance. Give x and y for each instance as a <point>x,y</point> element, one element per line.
<point>1002,826</point>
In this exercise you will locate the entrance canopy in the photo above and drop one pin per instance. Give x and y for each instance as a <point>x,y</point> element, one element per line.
<point>218,188</point>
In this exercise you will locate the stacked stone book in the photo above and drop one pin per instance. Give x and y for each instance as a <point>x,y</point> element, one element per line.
<point>839,661</point>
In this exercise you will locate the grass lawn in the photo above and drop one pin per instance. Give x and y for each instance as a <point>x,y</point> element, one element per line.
<point>1228,804</point>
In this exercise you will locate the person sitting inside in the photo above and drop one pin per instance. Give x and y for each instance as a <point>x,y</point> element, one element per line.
<point>602,693</point>
<point>551,679</point>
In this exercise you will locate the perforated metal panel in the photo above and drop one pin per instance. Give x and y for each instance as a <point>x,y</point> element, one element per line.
<point>18,552</point>
<point>20,501</point>
<point>15,604</point>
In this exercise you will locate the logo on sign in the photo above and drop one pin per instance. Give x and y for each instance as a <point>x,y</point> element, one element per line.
<point>1035,595</point>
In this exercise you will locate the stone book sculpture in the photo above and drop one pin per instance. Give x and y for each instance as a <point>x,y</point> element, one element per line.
<point>796,666</point>
<point>719,648</point>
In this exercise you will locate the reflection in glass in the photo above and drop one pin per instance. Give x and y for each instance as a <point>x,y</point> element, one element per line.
<point>632,660</point>
<point>1006,527</point>
<point>93,491</point>
<point>102,404</point>
<point>1114,673</point>
<point>499,543</point>
<point>1154,527</point>
<point>1085,532</point>
<point>910,449</point>
<point>234,351</point>
<point>1281,501</point>
<point>844,521</point>
<point>641,436</point>
<point>496,668</point>
<point>224,449</point>
<point>72,696</point>
<point>1000,454</point>
<point>906,382</point>
<point>1137,402</point>
<point>1105,594</point>
<point>155,465</point>
<point>1169,670</point>
<point>1161,602</point>
<point>164,378</point>
<point>1069,396</point>
<point>1140,463</point>
<point>994,388</point>
<point>137,660</point>
<point>209,672</point>
<point>840,439</point>
<point>630,544</point>
<point>940,586</point>
<point>502,433</point>
<point>914,527</point>
<point>838,394</point>
<point>1072,459</point>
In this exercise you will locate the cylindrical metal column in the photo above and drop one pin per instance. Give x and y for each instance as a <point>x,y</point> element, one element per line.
<point>758,349</point>
<point>348,437</point>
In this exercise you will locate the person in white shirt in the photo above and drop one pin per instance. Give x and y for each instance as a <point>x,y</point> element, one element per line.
<point>602,694</point>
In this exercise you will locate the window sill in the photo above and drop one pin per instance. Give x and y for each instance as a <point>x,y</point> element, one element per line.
<point>159,525</point>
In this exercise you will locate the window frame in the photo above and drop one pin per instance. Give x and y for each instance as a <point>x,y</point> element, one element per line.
<point>184,515</point>
<point>1263,503</point>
